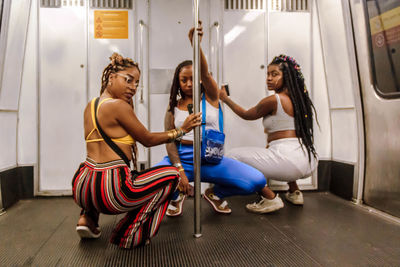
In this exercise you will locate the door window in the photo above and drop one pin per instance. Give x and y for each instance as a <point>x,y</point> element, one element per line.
<point>384,37</point>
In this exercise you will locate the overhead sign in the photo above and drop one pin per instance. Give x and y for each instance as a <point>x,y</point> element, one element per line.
<point>110,24</point>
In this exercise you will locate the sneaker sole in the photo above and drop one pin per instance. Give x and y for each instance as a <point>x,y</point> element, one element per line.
<point>216,208</point>
<point>294,202</point>
<point>266,211</point>
<point>85,232</point>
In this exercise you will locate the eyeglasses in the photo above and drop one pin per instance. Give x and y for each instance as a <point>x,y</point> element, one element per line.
<point>128,78</point>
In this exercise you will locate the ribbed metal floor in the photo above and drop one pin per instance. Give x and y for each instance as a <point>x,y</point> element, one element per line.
<point>327,231</point>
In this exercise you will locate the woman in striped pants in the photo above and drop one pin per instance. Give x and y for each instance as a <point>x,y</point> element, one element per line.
<point>104,183</point>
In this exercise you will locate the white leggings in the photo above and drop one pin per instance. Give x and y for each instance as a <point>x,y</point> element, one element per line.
<point>284,159</point>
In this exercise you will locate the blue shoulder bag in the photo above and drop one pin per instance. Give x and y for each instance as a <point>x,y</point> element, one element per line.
<point>212,141</point>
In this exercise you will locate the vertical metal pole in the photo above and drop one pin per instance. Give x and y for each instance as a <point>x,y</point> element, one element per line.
<point>196,104</point>
<point>141,25</point>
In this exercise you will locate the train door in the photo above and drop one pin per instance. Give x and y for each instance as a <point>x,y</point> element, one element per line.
<point>379,43</point>
<point>75,40</point>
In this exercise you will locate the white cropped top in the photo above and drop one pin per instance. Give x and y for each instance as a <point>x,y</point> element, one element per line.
<point>212,116</point>
<point>281,121</point>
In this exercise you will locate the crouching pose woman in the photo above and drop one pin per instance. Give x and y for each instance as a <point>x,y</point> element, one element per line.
<point>230,177</point>
<point>104,183</point>
<point>288,120</point>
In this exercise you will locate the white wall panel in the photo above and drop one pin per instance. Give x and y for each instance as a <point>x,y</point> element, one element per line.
<point>27,122</point>
<point>289,33</point>
<point>344,135</point>
<point>243,56</point>
<point>14,57</point>
<point>336,53</point>
<point>62,95</point>
<point>319,93</point>
<point>157,124</point>
<point>8,137</point>
<point>170,22</point>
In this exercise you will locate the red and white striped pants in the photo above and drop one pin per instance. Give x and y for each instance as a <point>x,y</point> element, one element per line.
<point>111,188</point>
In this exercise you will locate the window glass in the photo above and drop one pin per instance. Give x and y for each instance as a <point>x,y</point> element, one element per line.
<point>384,30</point>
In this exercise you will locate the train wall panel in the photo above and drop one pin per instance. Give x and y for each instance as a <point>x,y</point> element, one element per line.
<point>8,139</point>
<point>344,136</point>
<point>28,116</point>
<point>336,54</point>
<point>244,54</point>
<point>157,125</point>
<point>14,56</point>
<point>62,95</point>
<point>319,94</point>
<point>170,22</point>
<point>339,81</point>
<point>142,100</point>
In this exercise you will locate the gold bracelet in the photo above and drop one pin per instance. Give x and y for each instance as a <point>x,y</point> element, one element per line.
<point>175,134</point>
<point>172,135</point>
<point>181,169</point>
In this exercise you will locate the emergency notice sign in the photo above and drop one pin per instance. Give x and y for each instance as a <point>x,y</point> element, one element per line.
<point>385,28</point>
<point>110,24</point>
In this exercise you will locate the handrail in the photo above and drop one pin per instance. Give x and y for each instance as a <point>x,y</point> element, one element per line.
<point>141,87</point>
<point>217,49</point>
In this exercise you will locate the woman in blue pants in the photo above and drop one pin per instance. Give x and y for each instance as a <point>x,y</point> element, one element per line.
<point>230,177</point>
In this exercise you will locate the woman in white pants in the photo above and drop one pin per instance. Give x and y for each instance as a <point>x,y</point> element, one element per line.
<point>288,120</point>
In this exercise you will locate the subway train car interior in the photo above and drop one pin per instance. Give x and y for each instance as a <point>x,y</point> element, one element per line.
<point>55,58</point>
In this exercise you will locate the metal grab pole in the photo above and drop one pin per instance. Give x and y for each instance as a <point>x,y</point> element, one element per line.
<point>141,25</point>
<point>196,104</point>
<point>217,47</point>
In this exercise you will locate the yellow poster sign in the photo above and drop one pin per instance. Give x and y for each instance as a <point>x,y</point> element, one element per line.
<point>385,28</point>
<point>110,24</point>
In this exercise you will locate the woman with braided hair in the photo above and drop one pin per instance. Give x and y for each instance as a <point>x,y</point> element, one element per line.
<point>104,183</point>
<point>288,120</point>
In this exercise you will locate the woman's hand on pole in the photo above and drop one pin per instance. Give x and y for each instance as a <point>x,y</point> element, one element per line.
<point>191,121</point>
<point>199,31</point>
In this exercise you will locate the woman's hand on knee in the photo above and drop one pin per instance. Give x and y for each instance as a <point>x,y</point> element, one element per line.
<point>184,184</point>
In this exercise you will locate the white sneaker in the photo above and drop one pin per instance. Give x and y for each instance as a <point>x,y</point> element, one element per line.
<point>296,197</point>
<point>266,205</point>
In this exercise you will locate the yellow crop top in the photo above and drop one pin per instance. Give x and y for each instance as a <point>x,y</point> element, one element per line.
<point>128,140</point>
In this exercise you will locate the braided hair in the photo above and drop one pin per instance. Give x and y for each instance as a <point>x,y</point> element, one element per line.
<point>175,87</point>
<point>293,81</point>
<point>117,64</point>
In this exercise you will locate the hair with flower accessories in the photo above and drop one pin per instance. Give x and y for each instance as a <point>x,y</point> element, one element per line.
<point>304,110</point>
<point>117,64</point>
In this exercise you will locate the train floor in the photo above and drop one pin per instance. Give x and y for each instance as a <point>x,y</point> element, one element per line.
<point>326,231</point>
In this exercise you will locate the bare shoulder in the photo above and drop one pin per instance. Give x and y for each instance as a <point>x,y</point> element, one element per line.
<point>116,106</point>
<point>269,100</point>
